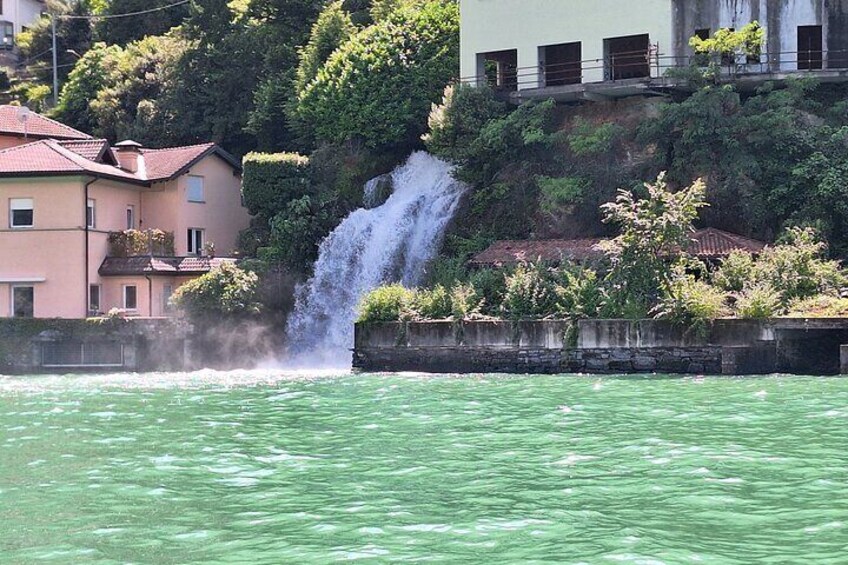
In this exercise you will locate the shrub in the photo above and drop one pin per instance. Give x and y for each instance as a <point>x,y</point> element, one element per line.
<point>225,290</point>
<point>529,293</point>
<point>735,272</point>
<point>556,193</point>
<point>819,307</point>
<point>389,303</point>
<point>465,302</point>
<point>758,302</point>
<point>378,86</point>
<point>459,119</point>
<point>690,302</point>
<point>796,267</point>
<point>579,293</point>
<point>587,139</point>
<point>489,287</point>
<point>433,304</point>
<point>272,180</point>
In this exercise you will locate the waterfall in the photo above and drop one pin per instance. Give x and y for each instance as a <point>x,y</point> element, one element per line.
<point>388,243</point>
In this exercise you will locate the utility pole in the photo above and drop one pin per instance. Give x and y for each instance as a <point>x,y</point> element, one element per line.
<point>55,61</point>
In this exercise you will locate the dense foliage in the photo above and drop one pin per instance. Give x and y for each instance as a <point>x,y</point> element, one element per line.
<point>647,272</point>
<point>225,291</point>
<point>379,84</point>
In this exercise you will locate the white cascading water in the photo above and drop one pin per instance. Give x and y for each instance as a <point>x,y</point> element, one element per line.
<point>390,243</point>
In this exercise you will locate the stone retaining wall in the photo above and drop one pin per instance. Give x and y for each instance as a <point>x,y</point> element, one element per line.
<point>732,347</point>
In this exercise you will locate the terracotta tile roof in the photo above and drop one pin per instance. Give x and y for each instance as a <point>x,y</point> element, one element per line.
<point>50,157</point>
<point>163,164</point>
<point>707,243</point>
<point>165,266</point>
<point>91,149</point>
<point>37,126</point>
<point>94,156</point>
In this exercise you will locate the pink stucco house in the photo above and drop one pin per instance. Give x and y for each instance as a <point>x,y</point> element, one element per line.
<point>67,196</point>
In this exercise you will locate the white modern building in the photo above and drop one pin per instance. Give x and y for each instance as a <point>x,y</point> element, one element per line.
<point>566,46</point>
<point>15,16</point>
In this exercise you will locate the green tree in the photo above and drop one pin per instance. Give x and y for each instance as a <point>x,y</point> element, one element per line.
<point>379,85</point>
<point>121,31</point>
<point>86,80</point>
<point>654,233</point>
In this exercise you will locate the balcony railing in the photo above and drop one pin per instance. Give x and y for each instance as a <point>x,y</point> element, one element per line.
<point>650,65</point>
<point>137,243</point>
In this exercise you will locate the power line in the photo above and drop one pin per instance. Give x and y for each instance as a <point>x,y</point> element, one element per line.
<point>116,16</point>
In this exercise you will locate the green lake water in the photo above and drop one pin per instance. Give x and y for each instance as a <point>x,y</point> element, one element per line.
<point>264,467</point>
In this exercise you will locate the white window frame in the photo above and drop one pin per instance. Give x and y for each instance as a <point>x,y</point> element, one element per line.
<point>91,222</point>
<point>195,192</point>
<point>124,297</point>
<point>130,217</point>
<point>12,300</point>
<point>191,241</point>
<point>20,204</point>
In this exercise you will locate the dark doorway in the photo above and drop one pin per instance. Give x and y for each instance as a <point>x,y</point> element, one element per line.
<point>501,69</point>
<point>810,48</point>
<point>561,64</point>
<point>627,57</point>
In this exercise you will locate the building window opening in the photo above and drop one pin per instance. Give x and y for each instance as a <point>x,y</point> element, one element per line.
<point>500,69</point>
<point>21,213</point>
<point>94,299</point>
<point>7,36</point>
<point>627,57</point>
<point>195,189</point>
<point>76,354</point>
<point>810,48</point>
<point>561,64</point>
<point>130,217</point>
<point>23,302</point>
<point>90,219</point>
<point>194,243</point>
<point>130,297</point>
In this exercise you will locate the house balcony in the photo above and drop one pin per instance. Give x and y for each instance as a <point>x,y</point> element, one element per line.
<point>647,73</point>
<point>137,243</point>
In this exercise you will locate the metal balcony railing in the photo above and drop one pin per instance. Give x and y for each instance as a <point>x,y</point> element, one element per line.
<point>650,65</point>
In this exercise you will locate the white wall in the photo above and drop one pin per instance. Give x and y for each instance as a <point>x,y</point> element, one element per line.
<point>22,13</point>
<point>525,25</point>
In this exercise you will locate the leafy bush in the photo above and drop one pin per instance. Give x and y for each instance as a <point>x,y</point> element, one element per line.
<point>134,243</point>
<point>465,302</point>
<point>796,267</point>
<point>378,86</point>
<point>458,120</point>
<point>433,304</point>
<point>489,287</point>
<point>655,231</point>
<point>557,193</point>
<point>579,292</point>
<point>386,304</point>
<point>587,139</point>
<point>758,302</point>
<point>690,302</point>
<point>272,180</point>
<point>735,272</point>
<point>225,290</point>
<point>529,293</point>
<point>819,307</point>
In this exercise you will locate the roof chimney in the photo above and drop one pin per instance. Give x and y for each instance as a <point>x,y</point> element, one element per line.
<point>128,152</point>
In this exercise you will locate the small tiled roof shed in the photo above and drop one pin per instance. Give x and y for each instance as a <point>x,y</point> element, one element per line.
<point>708,244</point>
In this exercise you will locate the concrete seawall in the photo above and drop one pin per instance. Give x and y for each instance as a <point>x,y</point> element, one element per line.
<point>731,347</point>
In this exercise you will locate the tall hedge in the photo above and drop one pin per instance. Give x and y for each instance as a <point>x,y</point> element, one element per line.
<point>272,180</point>
<point>379,85</point>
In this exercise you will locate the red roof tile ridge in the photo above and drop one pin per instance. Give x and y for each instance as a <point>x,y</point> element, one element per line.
<point>71,132</point>
<point>208,144</point>
<point>24,146</point>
